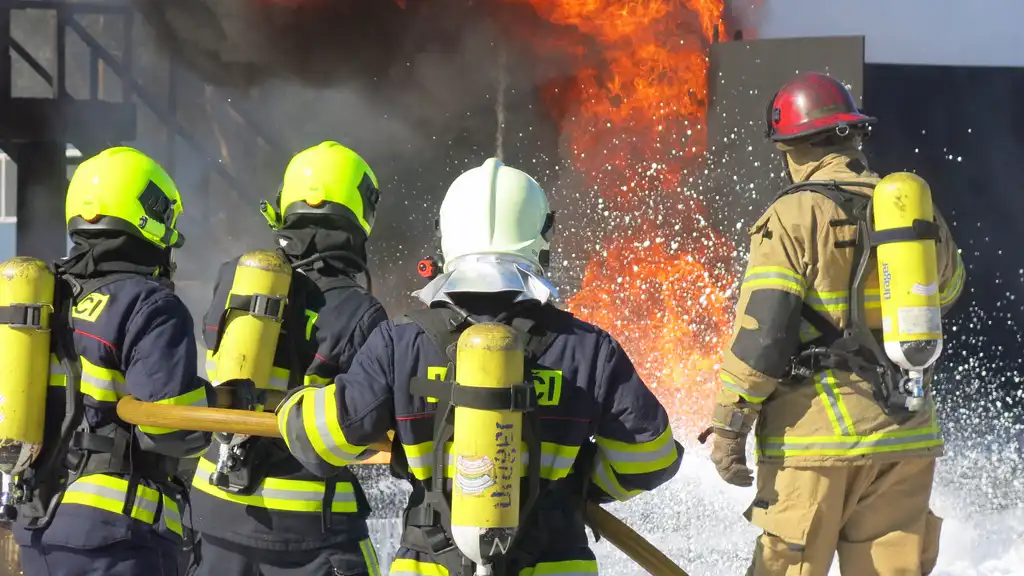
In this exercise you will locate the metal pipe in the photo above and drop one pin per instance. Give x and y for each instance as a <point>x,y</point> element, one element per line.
<point>133,411</point>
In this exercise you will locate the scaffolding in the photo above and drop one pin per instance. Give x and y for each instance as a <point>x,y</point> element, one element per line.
<point>37,133</point>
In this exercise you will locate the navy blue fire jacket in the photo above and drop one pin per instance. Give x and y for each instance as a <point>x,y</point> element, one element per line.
<point>134,337</point>
<point>334,316</point>
<point>586,386</point>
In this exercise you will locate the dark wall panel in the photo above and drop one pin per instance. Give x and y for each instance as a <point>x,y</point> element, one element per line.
<point>962,129</point>
<point>743,76</point>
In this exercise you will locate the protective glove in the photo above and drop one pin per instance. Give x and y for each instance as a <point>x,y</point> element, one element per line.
<point>728,452</point>
<point>730,425</point>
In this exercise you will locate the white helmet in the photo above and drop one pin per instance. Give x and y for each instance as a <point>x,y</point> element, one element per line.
<point>495,209</point>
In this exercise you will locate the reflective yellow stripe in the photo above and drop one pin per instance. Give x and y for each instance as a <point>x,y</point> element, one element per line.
<point>828,392</point>
<point>317,380</point>
<point>102,384</point>
<point>194,398</point>
<point>807,332</point>
<point>730,384</point>
<point>774,277</point>
<point>57,376</point>
<point>956,284</point>
<point>172,515</point>
<point>279,379</point>
<point>604,478</point>
<point>409,567</point>
<point>916,439</point>
<point>641,457</point>
<point>370,556</point>
<point>564,568</point>
<point>556,459</point>
<point>320,421</point>
<point>840,300</point>
<point>110,493</point>
<point>281,494</point>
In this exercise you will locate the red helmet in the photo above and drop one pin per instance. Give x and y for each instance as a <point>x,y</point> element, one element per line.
<point>812,103</point>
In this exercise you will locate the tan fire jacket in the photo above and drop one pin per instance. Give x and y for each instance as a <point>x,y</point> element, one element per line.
<point>833,418</point>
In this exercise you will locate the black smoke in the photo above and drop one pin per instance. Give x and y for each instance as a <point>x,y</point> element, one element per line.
<point>413,89</point>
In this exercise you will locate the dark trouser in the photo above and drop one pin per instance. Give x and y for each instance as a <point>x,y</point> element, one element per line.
<point>118,559</point>
<point>222,558</point>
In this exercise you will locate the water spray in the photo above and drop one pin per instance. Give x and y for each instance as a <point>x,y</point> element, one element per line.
<point>499,105</point>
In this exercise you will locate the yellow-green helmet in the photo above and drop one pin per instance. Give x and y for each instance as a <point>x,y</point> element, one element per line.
<point>327,179</point>
<point>122,189</point>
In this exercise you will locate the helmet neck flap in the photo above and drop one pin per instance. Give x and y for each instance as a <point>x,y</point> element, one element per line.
<point>489,274</point>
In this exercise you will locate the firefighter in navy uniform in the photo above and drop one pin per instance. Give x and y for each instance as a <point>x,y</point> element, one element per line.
<point>273,517</point>
<point>846,454</point>
<point>107,500</point>
<point>495,227</point>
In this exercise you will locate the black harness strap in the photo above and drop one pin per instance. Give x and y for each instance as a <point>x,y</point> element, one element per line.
<point>424,532</point>
<point>855,349</point>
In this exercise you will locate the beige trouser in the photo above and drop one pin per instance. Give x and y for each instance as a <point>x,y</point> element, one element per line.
<point>875,516</point>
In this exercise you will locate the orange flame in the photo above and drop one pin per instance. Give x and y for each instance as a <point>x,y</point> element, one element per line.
<point>662,282</point>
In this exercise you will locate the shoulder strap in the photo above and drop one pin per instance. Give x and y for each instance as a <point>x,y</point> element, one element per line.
<point>335,282</point>
<point>442,326</point>
<point>852,204</point>
<point>84,287</point>
<point>46,468</point>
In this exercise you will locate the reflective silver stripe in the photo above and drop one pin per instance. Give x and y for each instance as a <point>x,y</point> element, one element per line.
<point>855,443</point>
<point>792,278</point>
<point>141,502</point>
<point>115,386</point>
<point>662,451</point>
<point>56,368</point>
<point>553,461</point>
<point>815,300</point>
<point>303,495</point>
<point>319,408</point>
<point>729,384</point>
<point>211,367</point>
<point>605,482</point>
<point>425,461</point>
<point>370,555</point>
<point>171,515</point>
<point>829,390</point>
<point>280,384</point>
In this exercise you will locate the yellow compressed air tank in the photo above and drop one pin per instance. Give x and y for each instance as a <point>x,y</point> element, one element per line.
<point>255,310</point>
<point>908,273</point>
<point>26,298</point>
<point>486,451</point>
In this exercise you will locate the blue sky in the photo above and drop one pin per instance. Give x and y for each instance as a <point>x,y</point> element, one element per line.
<point>950,32</point>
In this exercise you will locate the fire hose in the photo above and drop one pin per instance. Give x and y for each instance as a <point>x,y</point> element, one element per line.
<point>134,411</point>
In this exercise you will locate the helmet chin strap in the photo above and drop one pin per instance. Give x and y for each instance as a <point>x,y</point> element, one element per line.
<point>785,167</point>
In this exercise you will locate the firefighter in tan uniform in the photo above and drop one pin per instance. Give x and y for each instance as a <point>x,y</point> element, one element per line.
<point>843,464</point>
